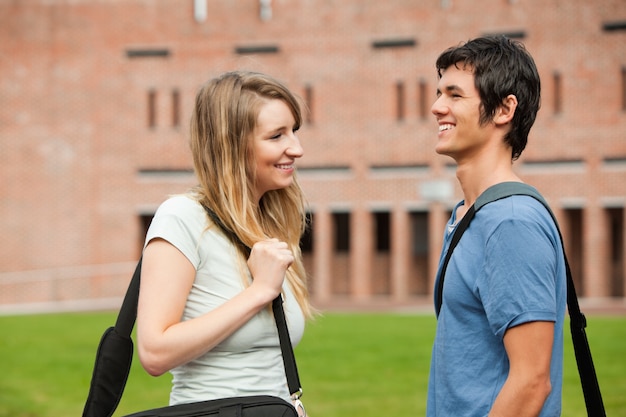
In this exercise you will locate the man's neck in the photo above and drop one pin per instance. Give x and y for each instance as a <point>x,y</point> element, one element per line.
<point>477,175</point>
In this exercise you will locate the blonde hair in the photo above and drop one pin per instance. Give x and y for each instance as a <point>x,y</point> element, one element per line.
<point>224,117</point>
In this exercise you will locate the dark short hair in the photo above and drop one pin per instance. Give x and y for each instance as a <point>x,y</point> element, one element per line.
<point>501,67</point>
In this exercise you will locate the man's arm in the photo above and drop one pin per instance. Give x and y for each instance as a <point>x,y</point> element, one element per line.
<point>529,348</point>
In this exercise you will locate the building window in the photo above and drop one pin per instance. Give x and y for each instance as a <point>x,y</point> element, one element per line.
<point>308,100</point>
<point>422,104</point>
<point>556,79</point>
<point>574,246</point>
<point>144,223</point>
<point>256,49</point>
<point>394,43</point>
<point>381,261</point>
<point>400,101</point>
<point>623,88</point>
<point>383,238</point>
<point>152,97</point>
<point>618,25</point>
<point>148,53</point>
<point>306,241</point>
<point>342,232</point>
<point>340,284</point>
<point>419,260</point>
<point>175,108</point>
<point>616,266</point>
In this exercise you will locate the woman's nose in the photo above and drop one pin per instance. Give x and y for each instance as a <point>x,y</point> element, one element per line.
<point>295,148</point>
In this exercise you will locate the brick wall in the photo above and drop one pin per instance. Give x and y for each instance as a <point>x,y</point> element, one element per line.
<point>80,164</point>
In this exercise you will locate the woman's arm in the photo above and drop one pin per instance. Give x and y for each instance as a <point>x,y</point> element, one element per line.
<point>164,341</point>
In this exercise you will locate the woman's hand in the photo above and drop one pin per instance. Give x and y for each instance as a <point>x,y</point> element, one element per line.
<point>164,341</point>
<point>268,262</point>
<point>299,408</point>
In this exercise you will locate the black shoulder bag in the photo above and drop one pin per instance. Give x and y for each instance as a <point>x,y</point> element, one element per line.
<point>115,354</point>
<point>586,370</point>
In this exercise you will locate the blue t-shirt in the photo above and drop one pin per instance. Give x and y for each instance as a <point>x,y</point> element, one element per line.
<point>507,269</point>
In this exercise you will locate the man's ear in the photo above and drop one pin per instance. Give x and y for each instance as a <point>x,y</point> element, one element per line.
<point>506,110</point>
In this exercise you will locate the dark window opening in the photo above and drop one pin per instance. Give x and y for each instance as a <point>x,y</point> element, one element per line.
<point>614,26</point>
<point>147,53</point>
<point>394,43</point>
<point>382,225</point>
<point>175,108</point>
<point>400,100</point>
<point>261,49</point>
<point>422,104</point>
<point>574,247</point>
<point>556,79</point>
<point>342,232</point>
<point>616,266</point>
<point>144,224</point>
<point>419,276</point>
<point>340,284</point>
<point>306,240</point>
<point>623,88</point>
<point>308,100</point>
<point>152,97</point>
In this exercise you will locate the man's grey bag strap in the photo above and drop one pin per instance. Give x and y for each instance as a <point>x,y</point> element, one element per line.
<point>578,323</point>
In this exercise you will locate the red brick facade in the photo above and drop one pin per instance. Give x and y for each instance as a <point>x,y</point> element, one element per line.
<point>95,99</point>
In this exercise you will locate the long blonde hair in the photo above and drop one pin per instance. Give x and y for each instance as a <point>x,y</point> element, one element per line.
<point>224,117</point>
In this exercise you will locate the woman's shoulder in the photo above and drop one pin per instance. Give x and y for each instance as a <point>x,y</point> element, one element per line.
<point>179,203</point>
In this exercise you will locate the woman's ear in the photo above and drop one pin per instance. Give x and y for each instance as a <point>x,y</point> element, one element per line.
<point>506,110</point>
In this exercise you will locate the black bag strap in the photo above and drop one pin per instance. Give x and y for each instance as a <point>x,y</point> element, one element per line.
<point>128,314</point>
<point>114,356</point>
<point>289,359</point>
<point>578,322</point>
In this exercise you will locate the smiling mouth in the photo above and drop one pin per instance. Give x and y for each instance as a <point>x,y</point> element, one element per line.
<point>285,166</point>
<point>445,127</point>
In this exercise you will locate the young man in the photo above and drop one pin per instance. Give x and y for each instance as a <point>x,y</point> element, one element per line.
<point>498,350</point>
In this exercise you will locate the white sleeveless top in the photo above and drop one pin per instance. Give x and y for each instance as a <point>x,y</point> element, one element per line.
<point>249,362</point>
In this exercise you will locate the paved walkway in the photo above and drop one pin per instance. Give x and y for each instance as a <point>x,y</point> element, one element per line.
<point>422,305</point>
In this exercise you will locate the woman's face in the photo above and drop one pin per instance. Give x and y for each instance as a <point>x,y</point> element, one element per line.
<point>275,147</point>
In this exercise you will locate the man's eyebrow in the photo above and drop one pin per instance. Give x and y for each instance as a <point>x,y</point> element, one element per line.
<point>450,89</point>
<point>454,87</point>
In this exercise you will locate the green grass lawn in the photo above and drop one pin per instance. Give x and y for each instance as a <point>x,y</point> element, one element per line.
<point>349,364</point>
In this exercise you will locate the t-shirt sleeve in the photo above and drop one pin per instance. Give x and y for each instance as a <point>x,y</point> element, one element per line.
<point>180,221</point>
<point>519,283</point>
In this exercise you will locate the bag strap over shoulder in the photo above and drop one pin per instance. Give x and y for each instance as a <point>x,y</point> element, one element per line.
<point>578,322</point>
<point>114,355</point>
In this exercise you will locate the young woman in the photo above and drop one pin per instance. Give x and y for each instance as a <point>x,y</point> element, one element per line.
<point>204,307</point>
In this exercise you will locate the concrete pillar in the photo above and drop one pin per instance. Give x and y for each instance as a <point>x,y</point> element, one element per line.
<point>361,253</point>
<point>438,218</point>
<point>400,253</point>
<point>322,254</point>
<point>595,252</point>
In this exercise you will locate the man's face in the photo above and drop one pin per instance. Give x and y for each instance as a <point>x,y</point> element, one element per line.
<point>457,110</point>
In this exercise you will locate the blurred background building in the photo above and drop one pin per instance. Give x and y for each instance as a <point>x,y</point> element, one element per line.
<point>95,101</point>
